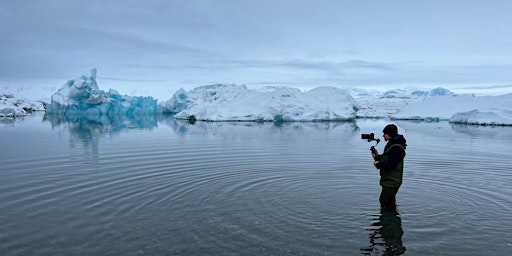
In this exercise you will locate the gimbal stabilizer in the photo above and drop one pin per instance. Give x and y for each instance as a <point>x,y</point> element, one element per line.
<point>370,137</point>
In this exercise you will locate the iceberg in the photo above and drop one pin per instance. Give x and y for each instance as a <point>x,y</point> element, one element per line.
<point>83,97</point>
<point>491,116</point>
<point>11,107</point>
<point>224,102</point>
<point>466,109</point>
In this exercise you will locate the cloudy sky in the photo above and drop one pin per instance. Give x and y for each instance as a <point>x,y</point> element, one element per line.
<point>168,44</point>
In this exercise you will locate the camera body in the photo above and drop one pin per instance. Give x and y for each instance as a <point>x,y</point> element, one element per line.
<point>368,136</point>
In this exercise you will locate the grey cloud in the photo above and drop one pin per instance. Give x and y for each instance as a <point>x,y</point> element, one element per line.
<point>507,86</point>
<point>292,64</point>
<point>289,41</point>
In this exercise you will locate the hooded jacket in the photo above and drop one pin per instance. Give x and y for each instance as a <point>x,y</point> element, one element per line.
<point>391,162</point>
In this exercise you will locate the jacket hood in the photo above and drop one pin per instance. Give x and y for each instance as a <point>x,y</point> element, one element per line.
<point>398,139</point>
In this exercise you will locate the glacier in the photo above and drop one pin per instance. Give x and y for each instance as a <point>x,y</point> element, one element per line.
<point>230,102</point>
<point>82,97</point>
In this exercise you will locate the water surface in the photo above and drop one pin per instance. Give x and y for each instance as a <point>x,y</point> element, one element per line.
<point>157,186</point>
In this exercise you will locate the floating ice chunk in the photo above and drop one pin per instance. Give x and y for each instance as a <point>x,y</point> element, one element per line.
<point>490,116</point>
<point>11,106</point>
<point>82,96</point>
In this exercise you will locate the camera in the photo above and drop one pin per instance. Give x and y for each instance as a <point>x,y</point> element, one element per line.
<point>368,136</point>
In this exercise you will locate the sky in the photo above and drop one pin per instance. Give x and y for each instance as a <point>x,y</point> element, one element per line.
<point>159,46</point>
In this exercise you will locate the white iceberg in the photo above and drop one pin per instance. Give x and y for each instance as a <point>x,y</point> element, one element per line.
<point>491,116</point>
<point>469,109</point>
<point>10,106</point>
<point>82,96</point>
<point>221,102</point>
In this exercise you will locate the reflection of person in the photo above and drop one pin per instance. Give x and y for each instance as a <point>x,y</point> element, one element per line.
<point>391,165</point>
<point>389,229</point>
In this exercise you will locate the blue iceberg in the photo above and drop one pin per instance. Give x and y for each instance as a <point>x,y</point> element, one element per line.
<point>82,97</point>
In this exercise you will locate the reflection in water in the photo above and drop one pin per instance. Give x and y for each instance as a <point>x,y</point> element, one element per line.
<point>105,123</point>
<point>475,131</point>
<point>182,127</point>
<point>87,130</point>
<point>386,235</point>
<point>444,129</point>
<point>7,120</point>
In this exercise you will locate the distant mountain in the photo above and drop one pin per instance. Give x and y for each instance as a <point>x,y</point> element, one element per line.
<point>410,93</point>
<point>359,93</point>
<point>403,93</point>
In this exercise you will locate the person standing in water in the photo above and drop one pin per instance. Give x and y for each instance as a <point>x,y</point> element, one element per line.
<point>391,165</point>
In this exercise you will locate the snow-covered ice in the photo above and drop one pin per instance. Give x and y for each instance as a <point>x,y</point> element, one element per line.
<point>238,103</point>
<point>470,109</point>
<point>222,102</point>
<point>11,106</point>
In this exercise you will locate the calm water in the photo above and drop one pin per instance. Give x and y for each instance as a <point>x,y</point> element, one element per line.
<point>161,187</point>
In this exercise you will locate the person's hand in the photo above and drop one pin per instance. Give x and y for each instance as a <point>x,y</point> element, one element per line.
<point>375,154</point>
<point>375,163</point>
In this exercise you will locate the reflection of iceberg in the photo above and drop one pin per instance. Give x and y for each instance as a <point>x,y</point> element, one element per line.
<point>89,132</point>
<point>444,129</point>
<point>103,124</point>
<point>488,132</point>
<point>258,129</point>
<point>83,97</point>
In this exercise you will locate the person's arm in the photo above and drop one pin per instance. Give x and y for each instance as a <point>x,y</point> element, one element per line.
<point>396,154</point>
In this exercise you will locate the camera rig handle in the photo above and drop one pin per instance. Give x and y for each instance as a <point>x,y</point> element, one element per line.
<point>373,150</point>
<point>371,137</point>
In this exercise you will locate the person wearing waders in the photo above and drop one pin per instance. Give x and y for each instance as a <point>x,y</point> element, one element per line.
<point>391,165</point>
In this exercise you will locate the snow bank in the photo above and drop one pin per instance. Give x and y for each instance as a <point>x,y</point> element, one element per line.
<point>493,110</point>
<point>223,102</point>
<point>82,96</point>
<point>11,106</point>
